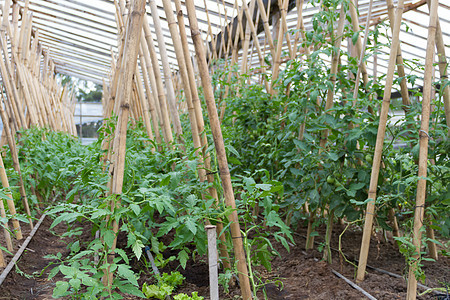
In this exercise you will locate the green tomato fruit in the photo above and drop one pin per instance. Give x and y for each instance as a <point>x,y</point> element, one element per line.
<point>330,179</point>
<point>369,158</point>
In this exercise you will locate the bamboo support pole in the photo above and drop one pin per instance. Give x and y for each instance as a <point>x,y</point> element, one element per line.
<point>9,82</point>
<point>283,19</point>
<point>358,45</point>
<point>265,21</point>
<point>400,66</point>
<point>432,249</point>
<point>110,109</point>
<point>210,32</point>
<point>220,150</point>
<point>333,71</point>
<point>5,226</point>
<point>183,72</point>
<point>194,107</point>
<point>131,49</point>
<point>246,42</point>
<point>150,105</point>
<point>15,159</point>
<point>443,71</point>
<point>222,48</point>
<point>12,208</point>
<point>159,84</point>
<point>299,5</point>
<point>150,85</point>
<point>423,150</point>
<point>167,73</point>
<point>2,259</point>
<point>234,59</point>
<point>144,106</point>
<point>229,43</point>
<point>370,210</point>
<point>251,28</point>
<point>277,58</point>
<point>361,62</point>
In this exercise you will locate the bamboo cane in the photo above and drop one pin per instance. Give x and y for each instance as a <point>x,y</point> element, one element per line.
<point>358,45</point>
<point>159,83</point>
<point>266,27</point>
<point>246,42</point>
<point>144,107</point>
<point>15,159</point>
<point>166,69</point>
<point>10,201</point>
<point>106,144</point>
<point>370,210</point>
<point>443,71</point>
<point>220,150</point>
<point>131,49</point>
<point>194,107</point>
<point>299,5</point>
<point>229,42</point>
<point>222,26</point>
<point>183,71</point>
<point>423,150</point>
<point>234,57</point>
<point>283,13</point>
<point>324,138</point>
<point>362,53</point>
<point>150,100</point>
<point>400,66</point>
<point>277,58</point>
<point>8,75</point>
<point>210,32</point>
<point>432,249</point>
<point>252,29</point>
<point>333,72</point>
<point>150,84</point>
<point>5,226</point>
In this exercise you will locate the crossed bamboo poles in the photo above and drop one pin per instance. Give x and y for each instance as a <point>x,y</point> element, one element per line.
<point>157,97</point>
<point>148,96</point>
<point>29,97</point>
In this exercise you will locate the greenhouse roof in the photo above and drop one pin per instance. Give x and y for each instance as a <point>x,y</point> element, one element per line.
<point>81,35</point>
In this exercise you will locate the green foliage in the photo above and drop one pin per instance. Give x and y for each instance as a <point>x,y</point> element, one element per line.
<point>157,291</point>
<point>284,151</point>
<point>184,296</point>
<point>166,285</point>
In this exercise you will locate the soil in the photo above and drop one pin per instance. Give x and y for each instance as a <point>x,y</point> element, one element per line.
<point>303,274</point>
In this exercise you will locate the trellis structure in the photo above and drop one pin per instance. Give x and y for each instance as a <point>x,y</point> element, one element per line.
<point>144,54</point>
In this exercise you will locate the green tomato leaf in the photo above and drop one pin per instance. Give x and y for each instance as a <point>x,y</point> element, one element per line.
<point>61,289</point>
<point>109,237</point>
<point>137,248</point>
<point>135,208</point>
<point>125,272</point>
<point>191,225</point>
<point>183,257</point>
<point>131,290</point>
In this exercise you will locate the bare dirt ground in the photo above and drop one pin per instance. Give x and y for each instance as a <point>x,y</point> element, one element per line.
<point>303,274</point>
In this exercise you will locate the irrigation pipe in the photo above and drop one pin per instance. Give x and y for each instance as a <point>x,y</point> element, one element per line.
<point>20,251</point>
<point>378,269</point>
<point>152,261</point>
<point>353,285</point>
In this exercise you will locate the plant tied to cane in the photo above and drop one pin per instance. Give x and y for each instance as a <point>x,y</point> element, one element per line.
<point>259,213</point>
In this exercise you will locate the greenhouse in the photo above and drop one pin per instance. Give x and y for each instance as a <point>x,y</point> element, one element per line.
<point>219,149</point>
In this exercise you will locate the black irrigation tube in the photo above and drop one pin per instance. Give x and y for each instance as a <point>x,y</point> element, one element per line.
<point>380,270</point>
<point>349,282</point>
<point>353,285</point>
<point>20,251</point>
